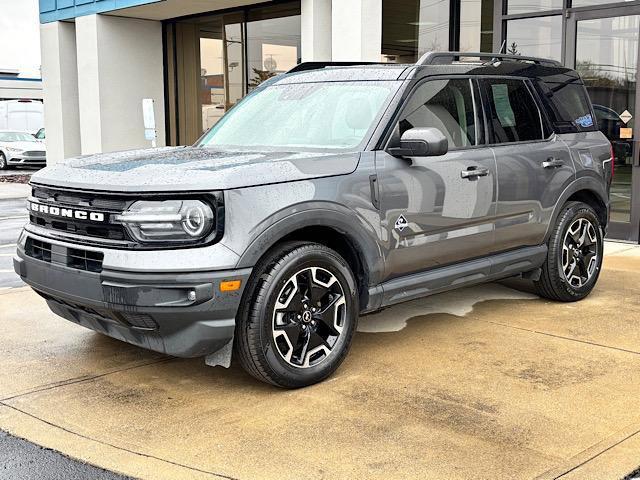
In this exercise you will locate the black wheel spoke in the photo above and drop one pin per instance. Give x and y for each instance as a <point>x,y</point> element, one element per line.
<point>327,316</point>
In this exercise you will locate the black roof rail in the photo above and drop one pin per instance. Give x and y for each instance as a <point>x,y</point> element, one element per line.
<point>445,58</point>
<point>304,66</point>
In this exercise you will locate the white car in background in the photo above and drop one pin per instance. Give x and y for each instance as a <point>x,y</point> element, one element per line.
<point>21,149</point>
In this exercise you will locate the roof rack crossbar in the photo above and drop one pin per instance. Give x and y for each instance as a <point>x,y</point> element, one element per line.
<point>444,58</point>
<point>304,66</point>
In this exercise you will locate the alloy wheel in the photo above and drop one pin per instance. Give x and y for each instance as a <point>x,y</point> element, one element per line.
<point>580,252</point>
<point>308,317</point>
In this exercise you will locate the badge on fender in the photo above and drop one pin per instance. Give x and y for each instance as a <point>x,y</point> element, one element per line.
<point>401,223</point>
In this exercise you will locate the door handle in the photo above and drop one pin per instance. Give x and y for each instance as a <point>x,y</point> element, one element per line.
<point>552,163</point>
<point>474,172</point>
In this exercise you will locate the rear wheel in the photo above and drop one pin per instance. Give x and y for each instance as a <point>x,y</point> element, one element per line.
<point>574,257</point>
<point>297,324</point>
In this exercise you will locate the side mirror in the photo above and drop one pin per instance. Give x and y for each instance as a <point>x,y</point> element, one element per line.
<point>421,142</point>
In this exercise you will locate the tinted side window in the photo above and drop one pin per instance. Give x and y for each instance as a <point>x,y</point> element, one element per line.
<point>567,104</point>
<point>446,105</point>
<point>513,113</point>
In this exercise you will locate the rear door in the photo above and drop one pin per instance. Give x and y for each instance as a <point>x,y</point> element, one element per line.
<point>438,210</point>
<point>533,165</point>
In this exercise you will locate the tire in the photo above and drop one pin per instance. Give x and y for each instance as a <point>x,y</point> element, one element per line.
<point>574,257</point>
<point>287,335</point>
<point>3,162</point>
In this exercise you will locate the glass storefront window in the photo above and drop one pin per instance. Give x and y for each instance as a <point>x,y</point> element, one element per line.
<point>529,6</point>
<point>476,25</point>
<point>590,3</point>
<point>606,58</point>
<point>413,27</point>
<point>273,42</point>
<point>220,58</point>
<point>535,37</point>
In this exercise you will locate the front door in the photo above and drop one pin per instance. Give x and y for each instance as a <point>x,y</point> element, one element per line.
<point>603,47</point>
<point>438,210</point>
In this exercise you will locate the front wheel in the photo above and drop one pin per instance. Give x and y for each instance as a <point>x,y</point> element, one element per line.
<point>574,258</point>
<point>296,325</point>
<point>3,162</point>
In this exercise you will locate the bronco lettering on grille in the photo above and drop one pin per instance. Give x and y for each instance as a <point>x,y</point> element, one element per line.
<point>68,212</point>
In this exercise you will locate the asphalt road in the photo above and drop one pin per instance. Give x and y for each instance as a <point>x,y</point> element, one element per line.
<point>13,215</point>
<point>23,460</point>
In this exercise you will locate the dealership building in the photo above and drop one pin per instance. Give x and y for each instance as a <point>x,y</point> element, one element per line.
<point>196,58</point>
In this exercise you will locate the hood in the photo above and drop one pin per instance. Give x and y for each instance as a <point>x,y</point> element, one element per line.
<point>35,145</point>
<point>191,168</point>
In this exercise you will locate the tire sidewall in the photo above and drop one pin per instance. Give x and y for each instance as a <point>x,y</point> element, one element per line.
<point>572,214</point>
<point>309,257</point>
<point>3,161</point>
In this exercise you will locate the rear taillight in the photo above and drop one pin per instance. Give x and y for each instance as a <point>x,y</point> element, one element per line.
<point>613,163</point>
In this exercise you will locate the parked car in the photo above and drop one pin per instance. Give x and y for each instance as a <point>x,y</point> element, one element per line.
<point>21,149</point>
<point>329,192</point>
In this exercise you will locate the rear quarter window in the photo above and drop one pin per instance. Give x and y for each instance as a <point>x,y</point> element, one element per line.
<point>567,104</point>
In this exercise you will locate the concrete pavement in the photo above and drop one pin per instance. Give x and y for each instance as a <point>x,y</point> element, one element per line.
<point>452,386</point>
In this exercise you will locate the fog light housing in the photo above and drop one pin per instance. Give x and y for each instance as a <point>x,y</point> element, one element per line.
<point>177,221</point>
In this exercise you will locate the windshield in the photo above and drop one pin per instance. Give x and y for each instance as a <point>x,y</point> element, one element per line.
<point>334,115</point>
<point>16,137</point>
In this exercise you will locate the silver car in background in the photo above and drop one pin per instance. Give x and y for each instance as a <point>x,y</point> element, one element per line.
<point>21,149</point>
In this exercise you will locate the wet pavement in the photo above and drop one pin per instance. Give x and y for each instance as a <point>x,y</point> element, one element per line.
<point>22,460</point>
<point>485,382</point>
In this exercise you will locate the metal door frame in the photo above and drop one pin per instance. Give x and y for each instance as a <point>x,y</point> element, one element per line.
<point>617,230</point>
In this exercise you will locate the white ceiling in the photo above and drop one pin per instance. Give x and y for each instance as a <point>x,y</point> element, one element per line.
<point>164,9</point>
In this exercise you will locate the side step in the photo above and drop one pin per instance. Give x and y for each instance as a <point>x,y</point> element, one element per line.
<point>495,267</point>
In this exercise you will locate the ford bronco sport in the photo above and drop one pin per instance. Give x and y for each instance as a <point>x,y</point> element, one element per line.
<point>328,192</point>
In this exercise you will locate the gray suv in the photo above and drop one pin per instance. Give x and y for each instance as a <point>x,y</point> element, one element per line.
<point>329,192</point>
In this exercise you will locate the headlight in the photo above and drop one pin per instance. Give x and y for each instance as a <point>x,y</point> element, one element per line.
<point>168,221</point>
<point>15,150</point>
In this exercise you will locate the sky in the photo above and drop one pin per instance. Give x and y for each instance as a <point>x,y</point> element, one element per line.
<point>20,36</point>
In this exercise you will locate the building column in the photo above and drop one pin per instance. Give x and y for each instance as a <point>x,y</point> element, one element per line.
<point>60,85</point>
<point>356,27</point>
<point>316,30</point>
<point>120,62</point>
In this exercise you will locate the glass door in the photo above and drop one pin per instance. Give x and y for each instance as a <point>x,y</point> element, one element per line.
<point>604,50</point>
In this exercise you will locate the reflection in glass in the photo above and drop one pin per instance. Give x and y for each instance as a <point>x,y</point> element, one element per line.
<point>273,42</point>
<point>535,37</point>
<point>606,58</point>
<point>272,46</point>
<point>413,27</point>
<point>476,25</point>
<point>587,3</point>
<point>528,6</point>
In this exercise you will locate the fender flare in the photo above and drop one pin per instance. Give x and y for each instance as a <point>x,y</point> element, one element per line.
<point>362,236</point>
<point>590,184</point>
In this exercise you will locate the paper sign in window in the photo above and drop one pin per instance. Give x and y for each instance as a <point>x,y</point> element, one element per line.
<point>503,105</point>
<point>626,133</point>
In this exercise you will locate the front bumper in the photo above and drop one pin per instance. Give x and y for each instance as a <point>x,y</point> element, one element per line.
<point>179,314</point>
<point>20,159</point>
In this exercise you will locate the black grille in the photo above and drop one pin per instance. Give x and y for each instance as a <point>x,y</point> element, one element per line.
<point>34,153</point>
<point>38,250</point>
<point>86,260</point>
<point>108,205</point>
